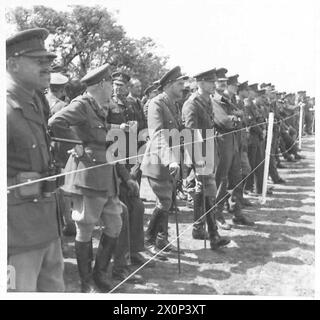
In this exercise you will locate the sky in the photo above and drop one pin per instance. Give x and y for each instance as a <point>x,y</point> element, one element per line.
<point>262,41</point>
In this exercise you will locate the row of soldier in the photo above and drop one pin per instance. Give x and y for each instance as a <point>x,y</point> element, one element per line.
<point>94,191</point>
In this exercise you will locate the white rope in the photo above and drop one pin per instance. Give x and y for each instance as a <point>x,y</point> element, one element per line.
<point>128,158</point>
<point>184,231</point>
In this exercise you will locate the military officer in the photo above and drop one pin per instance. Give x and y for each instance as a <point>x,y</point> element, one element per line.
<point>228,173</point>
<point>197,115</point>
<point>133,101</point>
<point>126,111</point>
<point>56,92</point>
<point>245,164</point>
<point>118,112</point>
<point>308,116</point>
<point>34,246</point>
<point>272,106</point>
<point>159,168</point>
<point>54,97</point>
<point>231,92</point>
<point>95,192</point>
<point>137,115</point>
<point>256,141</point>
<point>154,90</point>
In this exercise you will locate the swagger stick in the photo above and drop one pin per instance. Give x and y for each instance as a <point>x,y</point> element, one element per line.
<point>204,210</point>
<point>177,232</point>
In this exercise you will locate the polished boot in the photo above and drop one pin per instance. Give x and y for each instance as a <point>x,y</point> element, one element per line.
<point>151,234</point>
<point>216,241</point>
<point>105,251</point>
<point>153,227</point>
<point>83,253</point>
<point>162,241</point>
<point>198,231</point>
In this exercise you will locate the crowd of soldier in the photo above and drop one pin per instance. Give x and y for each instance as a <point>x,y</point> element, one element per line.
<point>44,107</point>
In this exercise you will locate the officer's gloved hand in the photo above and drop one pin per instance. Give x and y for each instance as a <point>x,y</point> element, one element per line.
<point>77,151</point>
<point>174,169</point>
<point>133,187</point>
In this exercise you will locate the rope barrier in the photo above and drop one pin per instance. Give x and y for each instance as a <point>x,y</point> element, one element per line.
<point>184,231</point>
<point>191,225</point>
<point>129,158</point>
<point>133,157</point>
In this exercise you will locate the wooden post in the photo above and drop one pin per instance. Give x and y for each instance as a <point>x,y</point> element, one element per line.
<point>300,124</point>
<point>267,158</point>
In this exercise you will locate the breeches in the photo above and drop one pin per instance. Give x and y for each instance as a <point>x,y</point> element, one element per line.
<point>88,211</point>
<point>163,190</point>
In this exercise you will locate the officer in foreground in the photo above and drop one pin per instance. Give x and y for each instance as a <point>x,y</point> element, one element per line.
<point>34,246</point>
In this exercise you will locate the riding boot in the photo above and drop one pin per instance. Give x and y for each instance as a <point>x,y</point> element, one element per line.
<point>153,227</point>
<point>83,253</point>
<point>198,231</point>
<point>216,241</point>
<point>105,251</point>
<point>162,241</point>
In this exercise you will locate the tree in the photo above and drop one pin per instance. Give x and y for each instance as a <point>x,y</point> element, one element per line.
<point>86,37</point>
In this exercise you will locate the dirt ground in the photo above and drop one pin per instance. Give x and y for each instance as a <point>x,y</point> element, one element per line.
<point>276,257</point>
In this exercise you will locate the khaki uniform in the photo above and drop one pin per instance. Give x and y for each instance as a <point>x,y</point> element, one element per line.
<point>33,223</point>
<point>228,173</point>
<point>161,115</point>
<point>197,114</point>
<point>89,125</point>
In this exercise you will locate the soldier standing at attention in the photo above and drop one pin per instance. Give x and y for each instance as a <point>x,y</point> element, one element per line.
<point>160,170</point>
<point>255,143</point>
<point>231,92</point>
<point>94,191</point>
<point>228,173</point>
<point>34,246</point>
<point>245,164</point>
<point>198,116</point>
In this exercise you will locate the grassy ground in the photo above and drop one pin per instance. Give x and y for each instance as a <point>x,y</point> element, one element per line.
<point>275,257</point>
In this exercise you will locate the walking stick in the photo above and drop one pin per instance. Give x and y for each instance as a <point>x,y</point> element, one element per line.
<point>204,210</point>
<point>128,234</point>
<point>177,232</point>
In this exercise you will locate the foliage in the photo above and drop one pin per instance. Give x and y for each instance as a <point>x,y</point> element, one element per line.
<point>85,37</point>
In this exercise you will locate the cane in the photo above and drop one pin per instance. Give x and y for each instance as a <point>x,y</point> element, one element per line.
<point>177,232</point>
<point>174,175</point>
<point>204,210</point>
<point>128,234</point>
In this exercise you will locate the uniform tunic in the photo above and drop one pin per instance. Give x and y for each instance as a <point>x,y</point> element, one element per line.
<point>161,115</point>
<point>83,120</point>
<point>228,173</point>
<point>32,222</point>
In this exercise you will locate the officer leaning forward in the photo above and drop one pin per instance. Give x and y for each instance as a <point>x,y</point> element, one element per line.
<point>34,246</point>
<point>160,170</point>
<point>197,115</point>
<point>94,191</point>
<point>228,173</point>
